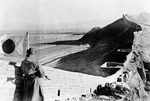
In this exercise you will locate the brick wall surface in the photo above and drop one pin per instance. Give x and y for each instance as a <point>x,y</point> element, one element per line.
<point>62,84</point>
<point>65,84</point>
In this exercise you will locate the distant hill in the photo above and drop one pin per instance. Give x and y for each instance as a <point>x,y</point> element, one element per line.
<point>18,26</point>
<point>84,26</point>
<point>94,29</point>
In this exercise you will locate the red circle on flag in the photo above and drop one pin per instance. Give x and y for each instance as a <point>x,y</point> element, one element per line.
<point>8,46</point>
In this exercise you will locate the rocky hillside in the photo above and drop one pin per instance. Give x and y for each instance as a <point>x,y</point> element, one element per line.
<point>104,43</point>
<point>120,31</point>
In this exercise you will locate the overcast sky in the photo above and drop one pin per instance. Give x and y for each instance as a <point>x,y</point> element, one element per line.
<point>67,11</point>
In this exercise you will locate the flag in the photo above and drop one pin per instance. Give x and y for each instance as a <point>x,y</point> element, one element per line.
<point>13,45</point>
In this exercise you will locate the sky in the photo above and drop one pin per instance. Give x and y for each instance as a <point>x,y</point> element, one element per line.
<point>47,12</point>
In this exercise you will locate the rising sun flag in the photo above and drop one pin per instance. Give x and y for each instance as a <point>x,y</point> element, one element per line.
<point>13,45</point>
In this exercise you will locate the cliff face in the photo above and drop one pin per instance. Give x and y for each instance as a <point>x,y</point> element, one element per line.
<point>139,56</point>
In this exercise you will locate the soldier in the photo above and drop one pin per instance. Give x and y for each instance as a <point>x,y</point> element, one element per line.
<point>32,89</point>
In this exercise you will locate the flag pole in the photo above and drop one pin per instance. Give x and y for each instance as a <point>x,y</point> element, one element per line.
<point>27,40</point>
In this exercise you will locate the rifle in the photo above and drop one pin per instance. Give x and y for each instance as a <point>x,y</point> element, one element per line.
<point>47,77</point>
<point>12,63</point>
<point>10,79</point>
